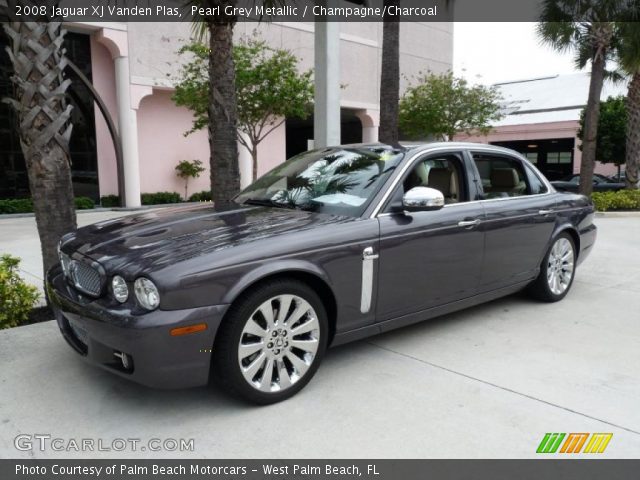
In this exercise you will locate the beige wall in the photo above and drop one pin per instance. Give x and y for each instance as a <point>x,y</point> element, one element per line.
<point>423,46</point>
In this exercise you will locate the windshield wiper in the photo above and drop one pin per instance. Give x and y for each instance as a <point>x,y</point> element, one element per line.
<point>265,202</point>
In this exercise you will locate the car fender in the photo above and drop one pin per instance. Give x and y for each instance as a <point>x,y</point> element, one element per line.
<point>561,227</point>
<point>277,267</point>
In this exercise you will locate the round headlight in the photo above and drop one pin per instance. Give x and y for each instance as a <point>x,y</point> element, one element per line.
<point>120,289</point>
<point>147,293</point>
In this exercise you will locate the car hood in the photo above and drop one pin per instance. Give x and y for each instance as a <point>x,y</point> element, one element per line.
<point>163,237</point>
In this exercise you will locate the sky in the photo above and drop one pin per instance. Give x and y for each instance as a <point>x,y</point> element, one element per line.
<point>488,53</point>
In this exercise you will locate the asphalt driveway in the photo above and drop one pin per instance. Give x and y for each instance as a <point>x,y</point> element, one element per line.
<point>487,382</point>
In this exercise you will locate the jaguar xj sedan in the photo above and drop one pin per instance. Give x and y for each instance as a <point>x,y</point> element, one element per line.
<point>332,246</point>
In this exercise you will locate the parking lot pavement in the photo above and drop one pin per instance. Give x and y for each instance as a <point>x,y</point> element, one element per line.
<point>487,382</point>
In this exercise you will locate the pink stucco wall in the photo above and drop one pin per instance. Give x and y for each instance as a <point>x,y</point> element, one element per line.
<point>162,144</point>
<point>540,131</point>
<point>161,140</point>
<point>272,150</point>
<point>104,82</point>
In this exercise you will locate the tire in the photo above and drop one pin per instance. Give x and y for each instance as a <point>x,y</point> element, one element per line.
<point>264,356</point>
<point>557,271</point>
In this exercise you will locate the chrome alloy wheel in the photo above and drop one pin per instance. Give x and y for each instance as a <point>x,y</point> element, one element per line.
<point>560,266</point>
<point>278,343</point>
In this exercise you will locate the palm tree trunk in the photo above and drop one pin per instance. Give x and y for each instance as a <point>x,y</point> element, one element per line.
<point>390,79</point>
<point>633,132</point>
<point>44,127</point>
<point>592,113</point>
<point>225,174</point>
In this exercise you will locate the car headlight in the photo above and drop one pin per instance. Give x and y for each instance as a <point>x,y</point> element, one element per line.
<point>119,288</point>
<point>64,260</point>
<point>147,293</point>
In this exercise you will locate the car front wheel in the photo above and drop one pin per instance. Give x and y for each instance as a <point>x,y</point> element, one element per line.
<point>556,271</point>
<point>271,342</point>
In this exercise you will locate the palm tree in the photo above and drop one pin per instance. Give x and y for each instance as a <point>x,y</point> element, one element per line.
<point>44,127</point>
<point>629,61</point>
<point>390,77</point>
<point>592,41</point>
<point>223,112</point>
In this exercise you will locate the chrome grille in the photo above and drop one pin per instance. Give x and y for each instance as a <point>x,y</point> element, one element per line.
<point>82,275</point>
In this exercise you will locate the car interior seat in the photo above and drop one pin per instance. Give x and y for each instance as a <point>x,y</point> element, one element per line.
<point>446,181</point>
<point>505,182</point>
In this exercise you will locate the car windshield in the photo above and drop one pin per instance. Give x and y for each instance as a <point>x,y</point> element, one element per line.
<point>340,181</point>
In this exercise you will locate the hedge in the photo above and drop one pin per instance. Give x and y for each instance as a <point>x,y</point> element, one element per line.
<point>203,196</point>
<point>108,201</point>
<point>159,198</point>
<point>25,205</point>
<point>620,200</point>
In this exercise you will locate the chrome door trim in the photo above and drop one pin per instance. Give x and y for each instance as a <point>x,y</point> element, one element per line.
<point>367,279</point>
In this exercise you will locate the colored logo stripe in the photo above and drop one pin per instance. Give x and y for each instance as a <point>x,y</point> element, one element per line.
<point>574,442</point>
<point>550,443</point>
<point>598,442</point>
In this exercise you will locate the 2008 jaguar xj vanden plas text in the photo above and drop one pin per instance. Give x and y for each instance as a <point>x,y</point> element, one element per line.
<point>331,246</point>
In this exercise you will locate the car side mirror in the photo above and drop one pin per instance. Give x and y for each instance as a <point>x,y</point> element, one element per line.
<point>420,199</point>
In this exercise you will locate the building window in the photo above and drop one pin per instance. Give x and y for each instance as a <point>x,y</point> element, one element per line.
<point>559,157</point>
<point>532,157</point>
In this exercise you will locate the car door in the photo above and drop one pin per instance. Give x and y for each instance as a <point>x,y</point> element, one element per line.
<point>430,258</point>
<point>519,219</point>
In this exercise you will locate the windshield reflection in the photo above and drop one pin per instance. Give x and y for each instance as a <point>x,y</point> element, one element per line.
<point>339,181</point>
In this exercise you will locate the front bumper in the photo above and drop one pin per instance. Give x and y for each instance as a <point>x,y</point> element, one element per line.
<point>158,359</point>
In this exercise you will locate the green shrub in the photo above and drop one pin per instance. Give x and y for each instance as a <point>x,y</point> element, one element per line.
<point>16,205</point>
<point>203,196</point>
<point>108,201</point>
<point>25,205</point>
<point>16,297</point>
<point>620,200</point>
<point>84,203</point>
<point>159,198</point>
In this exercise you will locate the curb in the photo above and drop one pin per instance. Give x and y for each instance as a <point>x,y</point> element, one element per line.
<point>620,214</point>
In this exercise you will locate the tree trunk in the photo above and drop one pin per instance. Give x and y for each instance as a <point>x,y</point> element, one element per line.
<point>44,127</point>
<point>225,174</point>
<point>592,113</point>
<point>254,161</point>
<point>633,132</point>
<point>390,79</point>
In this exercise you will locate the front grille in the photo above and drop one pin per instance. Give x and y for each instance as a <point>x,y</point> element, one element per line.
<point>82,275</point>
<point>85,278</point>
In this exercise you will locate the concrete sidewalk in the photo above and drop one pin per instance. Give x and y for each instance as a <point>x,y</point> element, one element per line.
<point>487,382</point>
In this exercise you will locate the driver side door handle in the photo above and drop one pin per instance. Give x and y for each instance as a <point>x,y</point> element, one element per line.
<point>469,223</point>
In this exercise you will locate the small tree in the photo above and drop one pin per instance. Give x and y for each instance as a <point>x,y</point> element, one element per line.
<point>610,142</point>
<point>268,88</point>
<point>189,169</point>
<point>443,105</point>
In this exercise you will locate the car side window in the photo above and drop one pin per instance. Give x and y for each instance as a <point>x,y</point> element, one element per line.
<point>501,176</point>
<point>441,172</point>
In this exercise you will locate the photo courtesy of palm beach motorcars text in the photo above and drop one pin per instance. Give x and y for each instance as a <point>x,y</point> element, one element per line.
<point>196,470</point>
<point>309,239</point>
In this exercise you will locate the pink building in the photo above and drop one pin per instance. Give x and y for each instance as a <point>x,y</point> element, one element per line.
<point>134,66</point>
<point>542,121</point>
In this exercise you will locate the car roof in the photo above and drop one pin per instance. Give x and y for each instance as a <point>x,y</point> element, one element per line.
<point>411,146</point>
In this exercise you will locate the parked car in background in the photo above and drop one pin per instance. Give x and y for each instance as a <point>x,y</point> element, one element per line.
<point>600,184</point>
<point>332,246</point>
